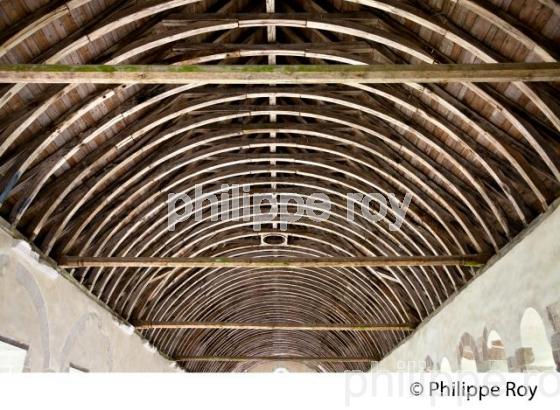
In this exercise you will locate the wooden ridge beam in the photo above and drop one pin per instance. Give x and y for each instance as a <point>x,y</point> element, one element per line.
<point>275,359</point>
<point>366,327</point>
<point>278,74</point>
<point>154,262</point>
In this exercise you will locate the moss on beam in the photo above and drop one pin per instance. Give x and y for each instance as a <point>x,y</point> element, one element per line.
<point>279,74</point>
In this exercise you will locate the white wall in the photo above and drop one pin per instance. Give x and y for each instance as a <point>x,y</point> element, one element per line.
<point>59,323</point>
<point>525,275</point>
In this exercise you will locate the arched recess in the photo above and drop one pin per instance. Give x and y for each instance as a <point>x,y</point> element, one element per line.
<point>534,337</point>
<point>554,317</point>
<point>28,282</point>
<point>445,366</point>
<point>494,353</point>
<point>87,345</point>
<point>467,354</point>
<point>428,364</point>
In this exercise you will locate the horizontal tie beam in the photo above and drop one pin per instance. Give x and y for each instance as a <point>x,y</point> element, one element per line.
<point>278,74</point>
<point>275,359</point>
<point>368,327</point>
<point>350,262</point>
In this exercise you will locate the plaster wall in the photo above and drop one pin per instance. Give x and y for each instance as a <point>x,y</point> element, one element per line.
<point>59,324</point>
<point>521,279</point>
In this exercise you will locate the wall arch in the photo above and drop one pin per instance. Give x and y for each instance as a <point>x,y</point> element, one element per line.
<point>88,321</point>
<point>494,353</point>
<point>428,364</point>
<point>467,354</point>
<point>26,280</point>
<point>534,337</point>
<point>445,366</point>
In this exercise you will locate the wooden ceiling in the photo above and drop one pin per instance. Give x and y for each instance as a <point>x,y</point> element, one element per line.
<point>85,169</point>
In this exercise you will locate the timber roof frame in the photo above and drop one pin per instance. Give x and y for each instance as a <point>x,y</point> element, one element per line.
<point>85,168</point>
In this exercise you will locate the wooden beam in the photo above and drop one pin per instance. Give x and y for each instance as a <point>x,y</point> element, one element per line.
<point>275,359</point>
<point>183,20</point>
<point>368,327</point>
<point>278,74</point>
<point>350,47</point>
<point>147,262</point>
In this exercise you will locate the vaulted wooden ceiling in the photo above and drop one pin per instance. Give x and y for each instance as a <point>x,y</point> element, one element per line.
<point>86,169</point>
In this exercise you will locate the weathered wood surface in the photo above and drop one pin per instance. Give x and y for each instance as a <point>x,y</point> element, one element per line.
<point>366,327</point>
<point>85,169</point>
<point>146,262</point>
<point>278,74</point>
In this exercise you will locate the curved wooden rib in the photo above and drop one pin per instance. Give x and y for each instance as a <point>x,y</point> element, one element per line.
<point>473,183</point>
<point>144,45</point>
<point>472,45</point>
<point>9,182</point>
<point>83,196</point>
<point>177,112</point>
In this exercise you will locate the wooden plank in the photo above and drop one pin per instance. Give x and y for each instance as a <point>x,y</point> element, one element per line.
<point>532,40</point>
<point>279,74</point>
<point>147,262</point>
<point>275,359</point>
<point>366,327</point>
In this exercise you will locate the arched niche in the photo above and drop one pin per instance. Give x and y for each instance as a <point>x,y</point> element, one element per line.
<point>445,366</point>
<point>428,364</point>
<point>495,358</point>
<point>467,354</point>
<point>554,317</point>
<point>535,353</point>
<point>24,315</point>
<point>87,346</point>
